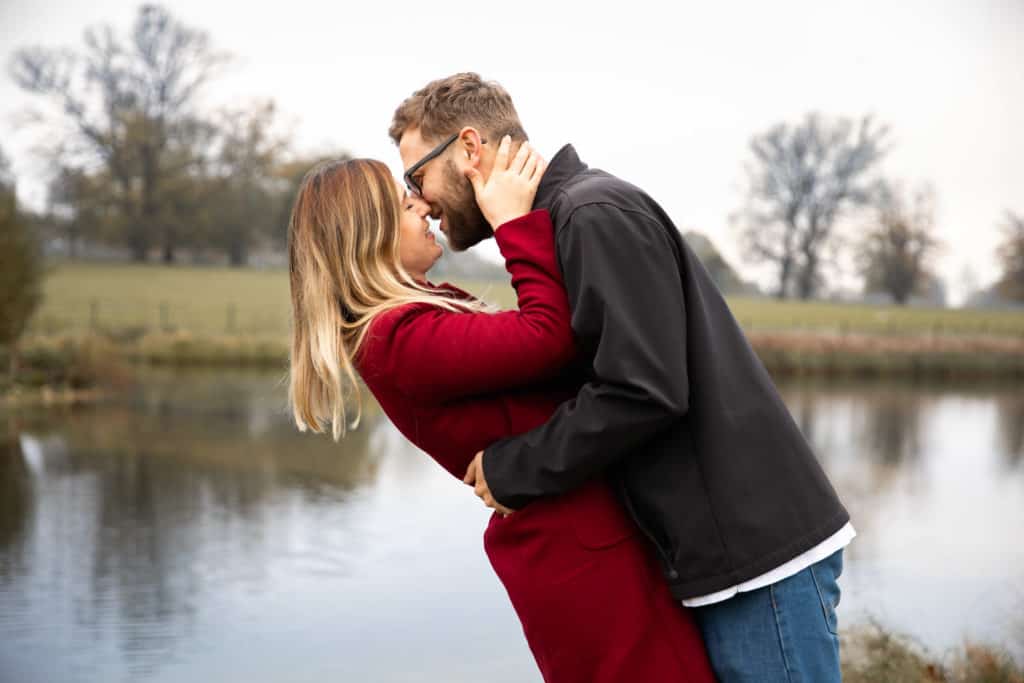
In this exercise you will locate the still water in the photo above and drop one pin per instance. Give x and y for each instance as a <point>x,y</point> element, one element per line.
<point>187,532</point>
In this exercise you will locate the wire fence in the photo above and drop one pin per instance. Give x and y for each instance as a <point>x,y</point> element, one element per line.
<point>127,318</point>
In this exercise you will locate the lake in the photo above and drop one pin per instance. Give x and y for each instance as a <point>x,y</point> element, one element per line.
<point>187,531</point>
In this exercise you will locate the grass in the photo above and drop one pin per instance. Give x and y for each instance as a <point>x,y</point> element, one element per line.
<point>217,300</point>
<point>139,298</point>
<point>773,315</point>
<point>871,654</point>
<point>217,315</point>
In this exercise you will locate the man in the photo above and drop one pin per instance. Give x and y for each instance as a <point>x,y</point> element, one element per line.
<point>678,413</point>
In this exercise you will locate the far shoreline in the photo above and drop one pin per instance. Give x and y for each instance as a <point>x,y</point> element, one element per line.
<point>71,369</point>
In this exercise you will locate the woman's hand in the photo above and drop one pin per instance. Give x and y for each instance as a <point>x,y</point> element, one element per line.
<point>509,191</point>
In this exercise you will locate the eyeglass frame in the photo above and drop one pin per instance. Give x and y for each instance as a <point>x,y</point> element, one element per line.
<point>410,183</point>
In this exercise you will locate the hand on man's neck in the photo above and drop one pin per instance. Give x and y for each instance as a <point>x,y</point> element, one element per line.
<point>489,151</point>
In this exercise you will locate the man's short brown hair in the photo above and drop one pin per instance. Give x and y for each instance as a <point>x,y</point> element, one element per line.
<point>445,106</point>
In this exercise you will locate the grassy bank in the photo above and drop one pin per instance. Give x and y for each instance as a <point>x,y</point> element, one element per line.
<point>60,357</point>
<point>871,654</point>
<point>214,315</point>
<point>866,355</point>
<point>64,370</point>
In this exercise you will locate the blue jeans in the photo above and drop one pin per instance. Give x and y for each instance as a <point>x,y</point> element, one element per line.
<point>783,633</point>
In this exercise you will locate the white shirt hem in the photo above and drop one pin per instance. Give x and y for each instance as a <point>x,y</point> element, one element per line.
<point>839,539</point>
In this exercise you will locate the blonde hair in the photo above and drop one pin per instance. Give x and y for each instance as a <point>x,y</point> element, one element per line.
<point>344,269</point>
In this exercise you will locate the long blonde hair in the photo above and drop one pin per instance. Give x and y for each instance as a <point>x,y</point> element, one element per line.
<point>344,269</point>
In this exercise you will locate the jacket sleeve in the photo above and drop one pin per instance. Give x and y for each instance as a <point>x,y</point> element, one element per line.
<point>437,355</point>
<point>625,291</point>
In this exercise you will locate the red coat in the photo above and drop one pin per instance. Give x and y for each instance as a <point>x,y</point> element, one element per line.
<point>590,596</point>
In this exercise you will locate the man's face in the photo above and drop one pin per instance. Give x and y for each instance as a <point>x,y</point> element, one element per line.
<point>445,188</point>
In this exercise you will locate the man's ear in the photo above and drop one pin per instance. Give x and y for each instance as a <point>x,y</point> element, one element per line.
<point>470,146</point>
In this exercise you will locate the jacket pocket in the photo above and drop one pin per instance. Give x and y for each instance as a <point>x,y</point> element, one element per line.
<point>597,519</point>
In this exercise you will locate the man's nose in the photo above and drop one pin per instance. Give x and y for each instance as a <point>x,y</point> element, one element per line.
<point>421,206</point>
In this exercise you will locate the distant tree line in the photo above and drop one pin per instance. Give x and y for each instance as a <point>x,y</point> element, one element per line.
<point>814,194</point>
<point>815,201</point>
<point>137,163</point>
<point>1011,257</point>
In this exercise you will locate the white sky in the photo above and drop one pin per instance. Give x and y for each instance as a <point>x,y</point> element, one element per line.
<point>665,95</point>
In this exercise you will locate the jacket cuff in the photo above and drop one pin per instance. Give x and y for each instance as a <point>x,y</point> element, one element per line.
<point>534,220</point>
<point>496,482</point>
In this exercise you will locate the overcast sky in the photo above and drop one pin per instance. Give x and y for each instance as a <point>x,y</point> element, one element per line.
<point>666,95</point>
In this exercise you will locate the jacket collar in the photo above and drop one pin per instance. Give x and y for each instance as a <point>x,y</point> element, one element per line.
<point>565,164</point>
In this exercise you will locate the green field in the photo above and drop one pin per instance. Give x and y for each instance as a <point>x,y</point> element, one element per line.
<point>133,299</point>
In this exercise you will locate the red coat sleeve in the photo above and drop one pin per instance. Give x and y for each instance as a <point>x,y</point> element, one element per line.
<point>436,355</point>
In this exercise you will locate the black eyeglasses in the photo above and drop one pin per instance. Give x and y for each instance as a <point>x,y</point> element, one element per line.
<point>410,181</point>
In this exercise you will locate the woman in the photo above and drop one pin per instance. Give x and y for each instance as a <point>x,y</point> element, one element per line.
<point>455,377</point>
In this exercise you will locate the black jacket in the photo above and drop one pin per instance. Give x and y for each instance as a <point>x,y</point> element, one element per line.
<point>677,409</point>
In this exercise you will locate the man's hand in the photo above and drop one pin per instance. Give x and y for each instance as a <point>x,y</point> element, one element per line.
<point>475,478</point>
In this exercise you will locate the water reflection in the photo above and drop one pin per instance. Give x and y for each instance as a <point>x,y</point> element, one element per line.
<point>929,475</point>
<point>144,504</point>
<point>15,502</point>
<point>1010,409</point>
<point>186,531</point>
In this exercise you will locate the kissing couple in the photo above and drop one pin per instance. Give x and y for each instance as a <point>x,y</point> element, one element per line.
<point>658,515</point>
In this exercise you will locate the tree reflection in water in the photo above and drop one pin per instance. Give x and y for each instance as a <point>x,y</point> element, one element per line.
<point>1010,416</point>
<point>174,527</point>
<point>149,503</point>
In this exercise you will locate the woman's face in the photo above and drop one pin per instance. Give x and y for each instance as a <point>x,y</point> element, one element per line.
<point>417,247</point>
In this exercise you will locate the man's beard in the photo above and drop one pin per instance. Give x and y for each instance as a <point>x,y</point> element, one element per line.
<point>464,222</point>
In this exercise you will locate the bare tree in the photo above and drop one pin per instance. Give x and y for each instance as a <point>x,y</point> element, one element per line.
<point>894,254</point>
<point>76,206</point>
<point>290,174</point>
<point>247,200</point>
<point>1011,255</point>
<point>801,181</point>
<point>130,108</point>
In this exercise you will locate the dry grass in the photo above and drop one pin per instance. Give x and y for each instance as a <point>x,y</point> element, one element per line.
<point>804,353</point>
<point>64,369</point>
<point>872,654</point>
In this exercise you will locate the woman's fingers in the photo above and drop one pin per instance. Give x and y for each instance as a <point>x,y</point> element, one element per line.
<point>512,185</point>
<point>521,157</point>
<point>531,165</point>
<point>476,180</point>
<point>470,477</point>
<point>501,159</point>
<point>538,172</point>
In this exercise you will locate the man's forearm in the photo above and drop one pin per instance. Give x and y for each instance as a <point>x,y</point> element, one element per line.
<point>625,293</point>
<point>583,437</point>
